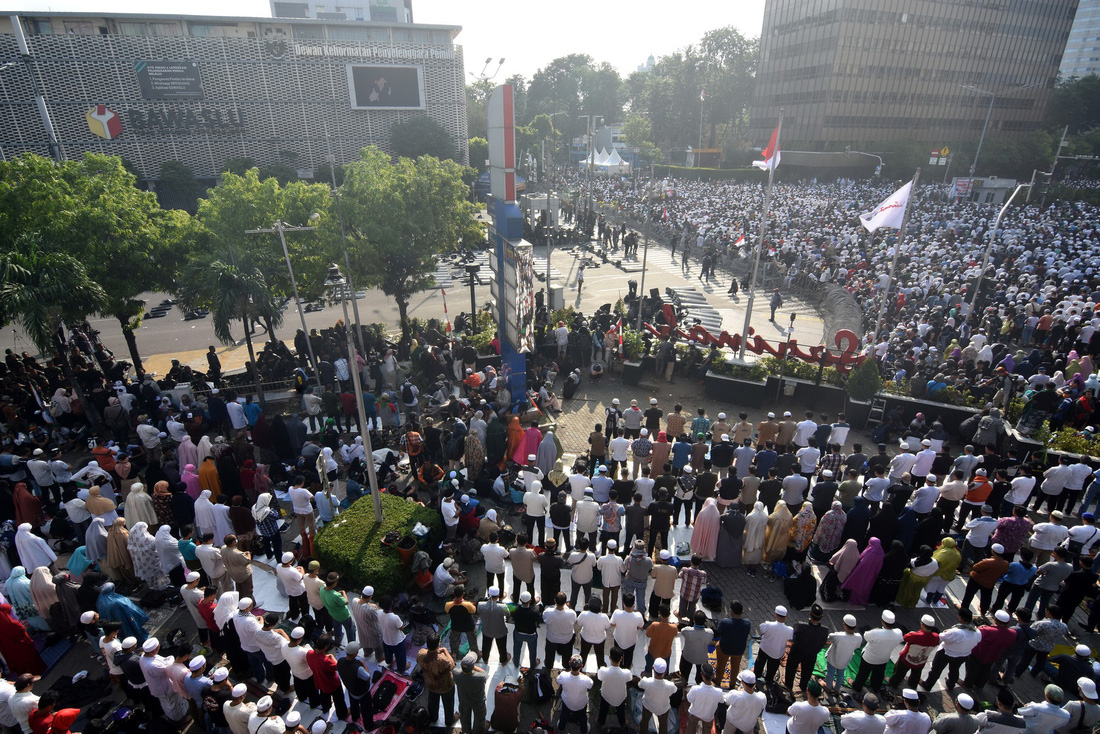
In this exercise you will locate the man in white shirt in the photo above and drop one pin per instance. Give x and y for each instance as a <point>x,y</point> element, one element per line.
<point>1046,536</point>
<point>1020,491</point>
<point>7,718</point>
<point>1053,485</point>
<point>295,655</point>
<point>237,419</point>
<point>22,702</point>
<point>618,449</point>
<point>301,500</point>
<point>881,644</point>
<point>809,715</point>
<point>922,463</point>
<point>1077,475</point>
<point>902,463</point>
<point>626,625</point>
<point>578,483</point>
<point>794,489</point>
<point>804,431</point>
<point>908,720</point>
<point>613,682</point>
<point>839,434</point>
<point>494,554</point>
<point>774,639</point>
<point>924,499</point>
<point>560,623</point>
<point>237,712</point>
<point>703,700</point>
<point>536,505</point>
<point>39,468</point>
<point>393,638</point>
<point>744,707</point>
<point>1083,537</point>
<point>842,646</point>
<point>656,697</point>
<point>807,460</point>
<point>1047,716</point>
<point>593,625</point>
<point>248,628</point>
<point>611,572</point>
<point>212,562</point>
<point>574,687</point>
<point>864,721</point>
<point>263,720</point>
<point>292,577</point>
<point>956,644</point>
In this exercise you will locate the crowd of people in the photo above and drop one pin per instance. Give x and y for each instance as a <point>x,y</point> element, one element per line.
<point>186,489</point>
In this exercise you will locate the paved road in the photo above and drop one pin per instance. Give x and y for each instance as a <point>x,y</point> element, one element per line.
<point>160,340</point>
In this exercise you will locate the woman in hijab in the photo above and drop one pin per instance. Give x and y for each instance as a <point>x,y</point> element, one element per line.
<point>100,506</point>
<point>118,564</point>
<point>231,641</point>
<point>28,508</point>
<point>244,527</point>
<point>162,503</point>
<point>248,480</point>
<point>183,506</point>
<point>844,560</point>
<point>280,436</point>
<point>126,475</point>
<point>266,519</point>
<point>907,527</point>
<point>229,474</point>
<point>88,593</point>
<point>143,552</point>
<point>262,481</point>
<point>139,507</point>
<point>69,609</point>
<point>829,533</point>
<point>208,476</point>
<point>730,537</point>
<point>190,479</point>
<point>755,532</point>
<point>802,531</point>
<point>855,526</point>
<point>916,577</point>
<point>547,453</point>
<point>19,594</point>
<point>169,556</point>
<point>515,441</point>
<point>43,593</point>
<point>33,550</point>
<point>862,578</point>
<point>187,451</point>
<point>661,450</point>
<point>496,441</point>
<point>708,526</point>
<point>16,646</point>
<point>948,559</point>
<point>885,590</point>
<point>95,541</point>
<point>930,529</point>
<point>884,523</point>
<point>487,526</point>
<point>777,535</point>
<point>205,521</point>
<point>474,455</point>
<point>92,474</point>
<point>121,609</point>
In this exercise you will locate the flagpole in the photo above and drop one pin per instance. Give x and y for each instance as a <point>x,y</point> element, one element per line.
<point>894,260</point>
<point>760,242</point>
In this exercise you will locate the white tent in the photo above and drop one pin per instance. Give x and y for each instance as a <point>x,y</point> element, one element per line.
<point>606,162</point>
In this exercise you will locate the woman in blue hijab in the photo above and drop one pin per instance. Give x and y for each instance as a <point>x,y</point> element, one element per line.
<point>121,609</point>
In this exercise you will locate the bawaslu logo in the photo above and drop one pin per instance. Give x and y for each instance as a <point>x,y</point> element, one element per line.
<point>103,123</point>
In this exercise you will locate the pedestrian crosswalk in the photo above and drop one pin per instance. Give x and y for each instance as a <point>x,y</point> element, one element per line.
<point>452,275</point>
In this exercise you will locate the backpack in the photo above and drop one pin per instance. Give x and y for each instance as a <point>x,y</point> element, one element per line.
<point>711,598</point>
<point>780,698</point>
<point>407,393</point>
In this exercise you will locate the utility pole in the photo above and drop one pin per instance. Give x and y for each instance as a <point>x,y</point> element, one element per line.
<point>1050,178</point>
<point>281,229</point>
<point>759,245</point>
<point>989,247</point>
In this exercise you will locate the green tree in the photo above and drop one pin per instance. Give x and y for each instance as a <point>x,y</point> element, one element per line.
<point>398,218</point>
<point>728,77</point>
<point>177,186</point>
<point>479,153</point>
<point>865,381</point>
<point>281,172</point>
<point>239,165</point>
<point>1076,103</point>
<point>638,133</point>
<point>419,136</point>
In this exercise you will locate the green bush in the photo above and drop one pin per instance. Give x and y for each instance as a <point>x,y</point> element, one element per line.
<point>1068,440</point>
<point>633,345</point>
<point>353,546</point>
<point>864,381</point>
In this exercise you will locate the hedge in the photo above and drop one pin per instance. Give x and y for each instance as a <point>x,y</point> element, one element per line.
<point>353,546</point>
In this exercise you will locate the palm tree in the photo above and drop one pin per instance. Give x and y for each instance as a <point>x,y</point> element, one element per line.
<point>232,288</point>
<point>43,290</point>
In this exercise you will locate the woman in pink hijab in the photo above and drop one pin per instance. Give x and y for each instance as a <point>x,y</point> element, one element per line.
<point>863,576</point>
<point>187,451</point>
<point>190,478</point>
<point>708,524</point>
<point>529,445</point>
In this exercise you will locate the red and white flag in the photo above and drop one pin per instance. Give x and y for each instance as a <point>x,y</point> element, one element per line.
<point>617,329</point>
<point>740,241</point>
<point>771,153</point>
<point>446,316</point>
<point>890,213</point>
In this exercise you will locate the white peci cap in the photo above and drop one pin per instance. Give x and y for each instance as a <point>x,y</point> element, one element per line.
<point>966,701</point>
<point>524,597</point>
<point>197,663</point>
<point>888,617</point>
<point>747,676</point>
<point>150,645</point>
<point>318,727</point>
<point>368,591</point>
<point>191,577</point>
<point>721,416</point>
<point>660,666</point>
<point>910,694</point>
<point>239,690</point>
<point>1083,650</point>
<point>292,719</point>
<point>1002,616</point>
<point>612,545</point>
<point>1088,687</point>
<point>997,548</point>
<point>928,620</point>
<point>297,633</point>
<point>645,431</point>
<point>87,617</point>
<point>665,555</point>
<point>244,603</point>
<point>653,401</point>
<point>220,674</point>
<point>850,620</point>
<point>771,415</point>
<point>288,557</point>
<point>781,611</point>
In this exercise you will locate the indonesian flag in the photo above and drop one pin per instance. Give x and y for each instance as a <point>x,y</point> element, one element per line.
<point>771,153</point>
<point>617,329</point>
<point>890,212</point>
<point>740,241</point>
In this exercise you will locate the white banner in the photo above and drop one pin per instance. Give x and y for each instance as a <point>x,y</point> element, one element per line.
<point>890,212</point>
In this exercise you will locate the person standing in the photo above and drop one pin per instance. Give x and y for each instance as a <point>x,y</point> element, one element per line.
<point>292,577</point>
<point>626,626</point>
<point>745,706</point>
<point>574,687</point>
<point>393,636</point>
<point>560,623</point>
<point>656,697</point>
<point>881,644</point>
<point>731,638</point>
<point>919,645</point>
<point>865,720</point>
<point>808,640</point>
<point>494,629</point>
<point>995,640</point>
<point>956,644</point>
<point>611,567</point>
<point>470,684</point>
<point>703,701</point>
<point>356,677</point>
<point>295,653</point>
<point>336,604</point>
<point>523,565</point>
<point>326,677</point>
<point>614,679</point>
<point>775,637</point>
<point>908,719</point>
<point>1047,715</point>
<point>1048,632</point>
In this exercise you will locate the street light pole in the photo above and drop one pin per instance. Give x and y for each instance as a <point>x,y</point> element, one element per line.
<point>281,229</point>
<point>988,114</point>
<point>337,278</point>
<point>645,256</point>
<point>989,246</point>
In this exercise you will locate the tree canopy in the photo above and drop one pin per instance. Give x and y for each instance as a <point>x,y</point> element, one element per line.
<point>419,136</point>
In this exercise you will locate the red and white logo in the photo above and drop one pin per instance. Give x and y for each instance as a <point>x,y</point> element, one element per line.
<point>103,122</point>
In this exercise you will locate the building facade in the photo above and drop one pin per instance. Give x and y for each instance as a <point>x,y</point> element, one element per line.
<point>876,71</point>
<point>379,11</point>
<point>1082,55</point>
<point>203,90</point>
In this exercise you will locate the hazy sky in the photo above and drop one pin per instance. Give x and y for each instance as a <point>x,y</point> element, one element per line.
<point>526,34</point>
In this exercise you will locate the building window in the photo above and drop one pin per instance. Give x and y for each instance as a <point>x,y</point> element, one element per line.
<point>202,30</point>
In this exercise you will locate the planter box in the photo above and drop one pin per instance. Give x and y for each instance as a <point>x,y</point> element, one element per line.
<point>736,390</point>
<point>828,398</point>
<point>951,416</point>
<point>857,411</point>
<point>632,372</point>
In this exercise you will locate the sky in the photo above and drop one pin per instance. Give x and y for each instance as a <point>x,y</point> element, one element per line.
<point>527,35</point>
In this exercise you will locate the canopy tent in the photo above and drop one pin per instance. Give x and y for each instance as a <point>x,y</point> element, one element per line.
<point>606,162</point>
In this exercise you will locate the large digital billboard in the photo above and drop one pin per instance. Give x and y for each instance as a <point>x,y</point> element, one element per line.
<point>386,87</point>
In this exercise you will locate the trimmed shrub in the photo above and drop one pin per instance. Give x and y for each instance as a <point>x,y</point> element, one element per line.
<point>353,546</point>
<point>864,381</point>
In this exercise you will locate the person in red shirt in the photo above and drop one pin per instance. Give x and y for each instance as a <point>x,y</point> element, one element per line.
<point>42,717</point>
<point>919,645</point>
<point>350,408</point>
<point>329,688</point>
<point>995,641</point>
<point>62,720</point>
<point>206,610</point>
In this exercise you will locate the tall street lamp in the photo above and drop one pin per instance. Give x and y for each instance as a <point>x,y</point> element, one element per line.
<point>336,279</point>
<point>992,98</point>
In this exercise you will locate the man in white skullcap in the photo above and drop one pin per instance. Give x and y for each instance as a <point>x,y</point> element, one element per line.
<point>908,719</point>
<point>775,638</point>
<point>959,720</point>
<point>293,723</point>
<point>295,655</point>
<point>155,668</point>
<point>196,682</point>
<point>744,705</point>
<point>657,692</point>
<point>237,713</point>
<point>213,698</point>
<point>494,629</point>
<point>365,614</point>
<point>192,593</point>
<point>842,647</point>
<point>248,627</point>
<point>293,577</point>
<point>881,644</point>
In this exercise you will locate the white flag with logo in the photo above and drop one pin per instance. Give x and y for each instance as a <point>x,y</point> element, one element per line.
<point>890,212</point>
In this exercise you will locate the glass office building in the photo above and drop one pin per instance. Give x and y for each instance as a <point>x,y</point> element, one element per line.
<point>867,72</point>
<point>1082,56</point>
